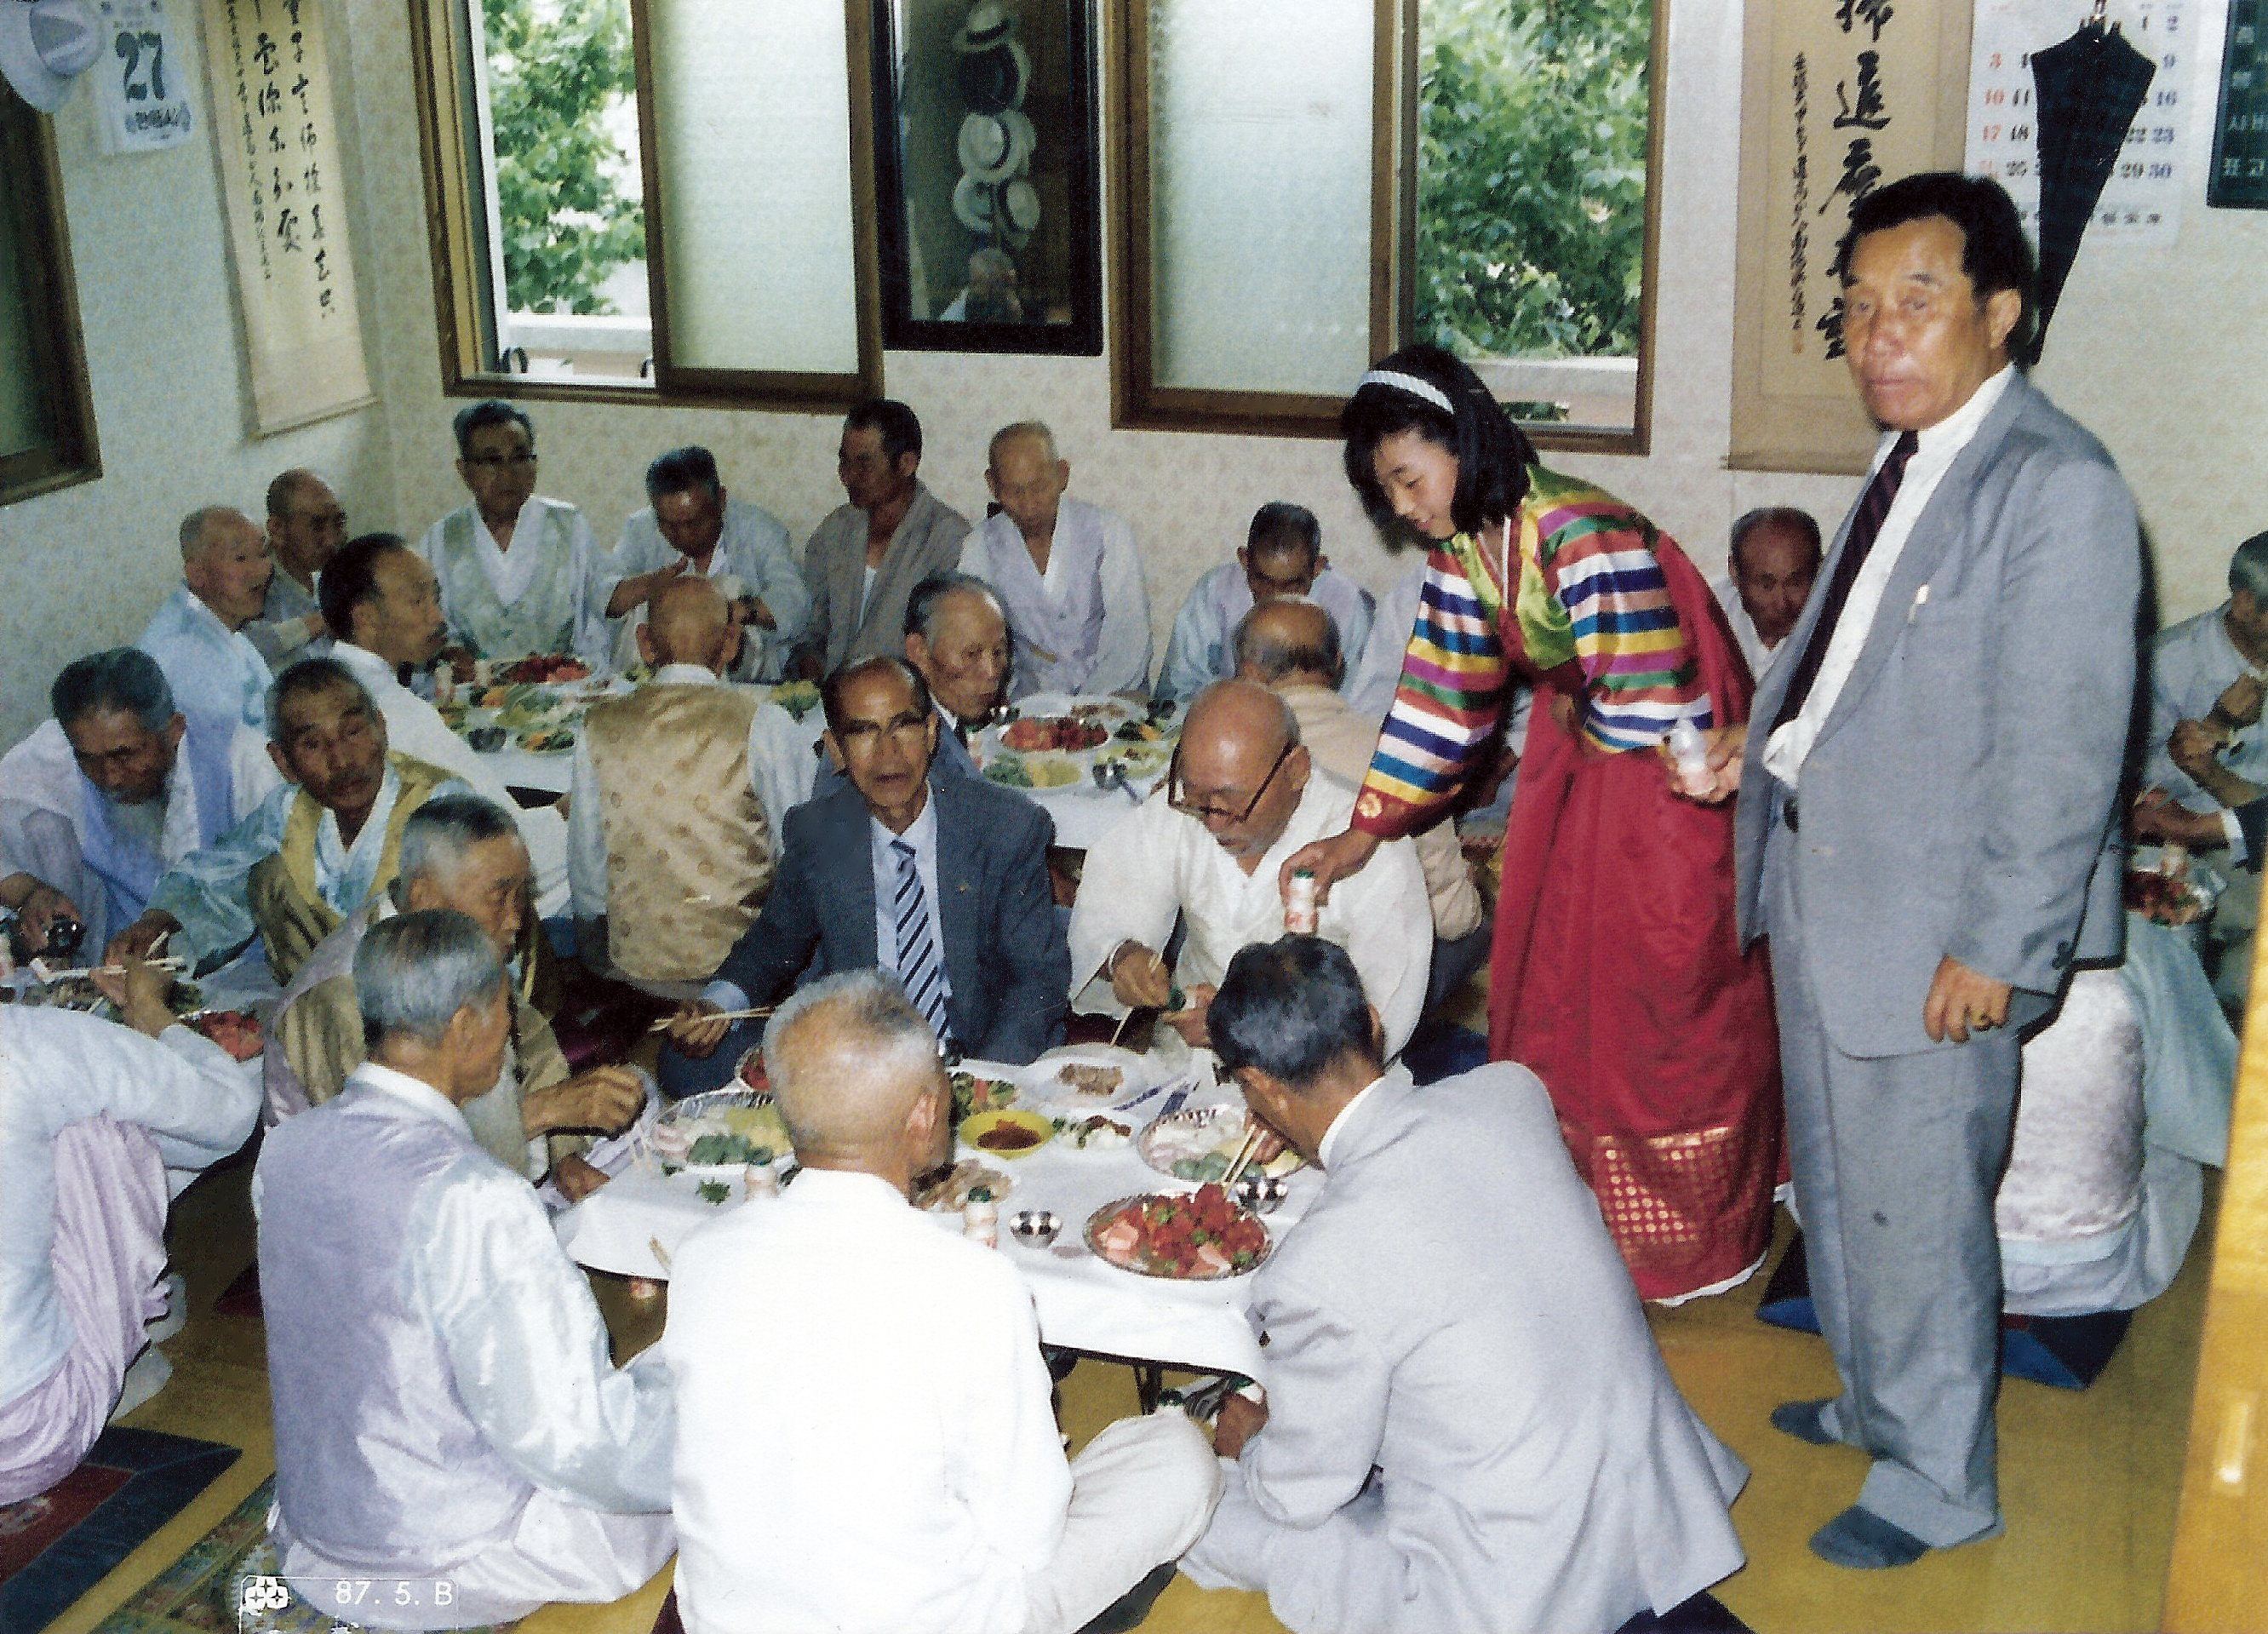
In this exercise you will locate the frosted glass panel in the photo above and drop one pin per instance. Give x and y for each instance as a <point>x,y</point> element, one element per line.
<point>1261,193</point>
<point>751,104</point>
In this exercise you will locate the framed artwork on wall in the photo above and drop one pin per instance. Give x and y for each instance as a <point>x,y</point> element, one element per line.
<point>986,180</point>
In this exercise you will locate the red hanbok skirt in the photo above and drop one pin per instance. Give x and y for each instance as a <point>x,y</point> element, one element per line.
<point>1618,978</point>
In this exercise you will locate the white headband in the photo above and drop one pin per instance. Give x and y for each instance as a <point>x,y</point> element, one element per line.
<point>1423,389</point>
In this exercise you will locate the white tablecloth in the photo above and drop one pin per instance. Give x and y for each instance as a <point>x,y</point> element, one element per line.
<point>1084,1303</point>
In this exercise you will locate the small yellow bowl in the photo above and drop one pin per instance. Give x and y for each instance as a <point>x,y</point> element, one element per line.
<point>1028,1127</point>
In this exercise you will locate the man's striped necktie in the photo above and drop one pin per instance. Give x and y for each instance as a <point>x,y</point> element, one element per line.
<point>918,966</point>
<point>1873,505</point>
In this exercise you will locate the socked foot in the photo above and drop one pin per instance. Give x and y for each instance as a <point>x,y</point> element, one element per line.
<point>1863,1541</point>
<point>1805,1421</point>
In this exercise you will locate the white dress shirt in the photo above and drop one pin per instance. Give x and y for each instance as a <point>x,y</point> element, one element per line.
<point>1935,449</point>
<point>866,1443</point>
<point>415,728</point>
<point>921,834</point>
<point>1349,1114</point>
<point>1158,864</point>
<point>58,1067</point>
<point>781,768</point>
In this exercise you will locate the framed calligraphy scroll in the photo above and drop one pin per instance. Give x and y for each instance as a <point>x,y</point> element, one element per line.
<point>1837,98</point>
<point>282,184</point>
<point>2239,178</point>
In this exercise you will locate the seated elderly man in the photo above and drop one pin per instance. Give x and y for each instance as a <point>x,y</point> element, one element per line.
<point>381,600</point>
<point>939,880</point>
<point>459,852</point>
<point>916,1483</point>
<point>1066,571</point>
<point>957,636</point>
<point>92,1114</point>
<point>1467,1425</point>
<point>1283,556</point>
<point>1290,646</point>
<point>693,528</point>
<point>865,558</point>
<point>1774,557</point>
<point>519,573</point>
<point>664,884</point>
<point>2206,676</point>
<point>444,1404</point>
<point>314,850</point>
<point>197,634</point>
<point>305,526</point>
<point>117,787</point>
<point>1206,846</point>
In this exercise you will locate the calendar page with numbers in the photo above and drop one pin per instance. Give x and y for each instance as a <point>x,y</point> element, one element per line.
<point>2141,204</point>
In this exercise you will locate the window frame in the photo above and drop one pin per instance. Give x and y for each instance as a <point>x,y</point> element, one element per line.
<point>439,51</point>
<point>1138,403</point>
<point>70,453</point>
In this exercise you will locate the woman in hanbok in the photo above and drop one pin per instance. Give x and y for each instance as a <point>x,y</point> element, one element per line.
<point>1616,973</point>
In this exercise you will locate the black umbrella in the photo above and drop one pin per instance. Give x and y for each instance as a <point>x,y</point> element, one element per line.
<point>2090,87</point>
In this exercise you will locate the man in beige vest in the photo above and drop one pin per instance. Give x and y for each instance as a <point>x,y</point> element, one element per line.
<point>678,790</point>
<point>466,853</point>
<point>1290,646</point>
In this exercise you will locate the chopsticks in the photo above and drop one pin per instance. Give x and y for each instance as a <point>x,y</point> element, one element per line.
<point>1252,1137</point>
<point>39,968</point>
<point>664,1025</point>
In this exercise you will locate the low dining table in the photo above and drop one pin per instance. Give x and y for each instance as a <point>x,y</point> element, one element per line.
<point>634,1225</point>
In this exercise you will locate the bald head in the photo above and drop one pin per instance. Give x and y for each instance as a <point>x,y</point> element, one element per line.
<point>853,1066</point>
<point>1289,641</point>
<point>688,621</point>
<point>1241,769</point>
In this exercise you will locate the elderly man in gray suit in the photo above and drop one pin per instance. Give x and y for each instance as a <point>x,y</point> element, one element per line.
<point>941,880</point>
<point>1467,1425</point>
<point>1928,832</point>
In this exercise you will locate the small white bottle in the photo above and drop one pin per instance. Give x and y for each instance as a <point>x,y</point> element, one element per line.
<point>444,683</point>
<point>1299,911</point>
<point>980,1219</point>
<point>1690,750</point>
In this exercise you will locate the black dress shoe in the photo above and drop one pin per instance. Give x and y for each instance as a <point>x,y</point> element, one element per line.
<point>1127,1611</point>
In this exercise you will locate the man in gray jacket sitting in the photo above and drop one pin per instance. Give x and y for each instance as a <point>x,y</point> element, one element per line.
<point>1467,1423</point>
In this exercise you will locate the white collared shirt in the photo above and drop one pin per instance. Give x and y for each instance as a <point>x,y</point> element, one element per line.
<point>921,834</point>
<point>414,1092</point>
<point>1349,1115</point>
<point>864,1440</point>
<point>1935,449</point>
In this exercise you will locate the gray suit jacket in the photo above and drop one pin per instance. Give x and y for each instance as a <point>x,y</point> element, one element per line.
<point>928,541</point>
<point>1005,952</point>
<point>1452,1312</point>
<point>1961,795</point>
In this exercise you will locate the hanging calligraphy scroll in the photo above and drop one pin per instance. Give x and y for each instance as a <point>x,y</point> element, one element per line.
<point>282,183</point>
<point>1837,98</point>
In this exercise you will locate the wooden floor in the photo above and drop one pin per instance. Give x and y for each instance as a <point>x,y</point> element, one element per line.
<point>2088,1480</point>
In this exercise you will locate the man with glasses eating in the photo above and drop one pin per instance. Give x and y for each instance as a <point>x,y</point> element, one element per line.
<point>519,574</point>
<point>1205,848</point>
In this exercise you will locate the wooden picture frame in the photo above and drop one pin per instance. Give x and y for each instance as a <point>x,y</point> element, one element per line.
<point>987,175</point>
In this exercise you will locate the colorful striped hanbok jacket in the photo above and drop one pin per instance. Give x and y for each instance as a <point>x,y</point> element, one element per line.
<point>1590,607</point>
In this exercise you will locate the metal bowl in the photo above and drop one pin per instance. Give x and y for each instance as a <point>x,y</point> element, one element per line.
<point>1263,1194</point>
<point>1035,1227</point>
<point>486,739</point>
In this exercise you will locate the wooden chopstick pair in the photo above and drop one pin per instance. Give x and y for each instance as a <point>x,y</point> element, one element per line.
<point>39,968</point>
<point>1245,1153</point>
<point>665,1022</point>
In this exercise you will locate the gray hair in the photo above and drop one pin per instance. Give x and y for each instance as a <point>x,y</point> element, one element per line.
<point>2248,569</point>
<point>923,600</point>
<point>314,676</point>
<point>1777,516</point>
<point>891,1038</point>
<point>440,833</point>
<point>193,525</point>
<point>122,678</point>
<point>1272,657</point>
<point>1022,428</point>
<point>415,973</point>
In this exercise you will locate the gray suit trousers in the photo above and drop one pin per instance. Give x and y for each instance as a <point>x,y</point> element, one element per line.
<point>1895,1161</point>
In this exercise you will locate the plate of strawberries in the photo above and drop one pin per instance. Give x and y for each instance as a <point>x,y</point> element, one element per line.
<point>1198,1236</point>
